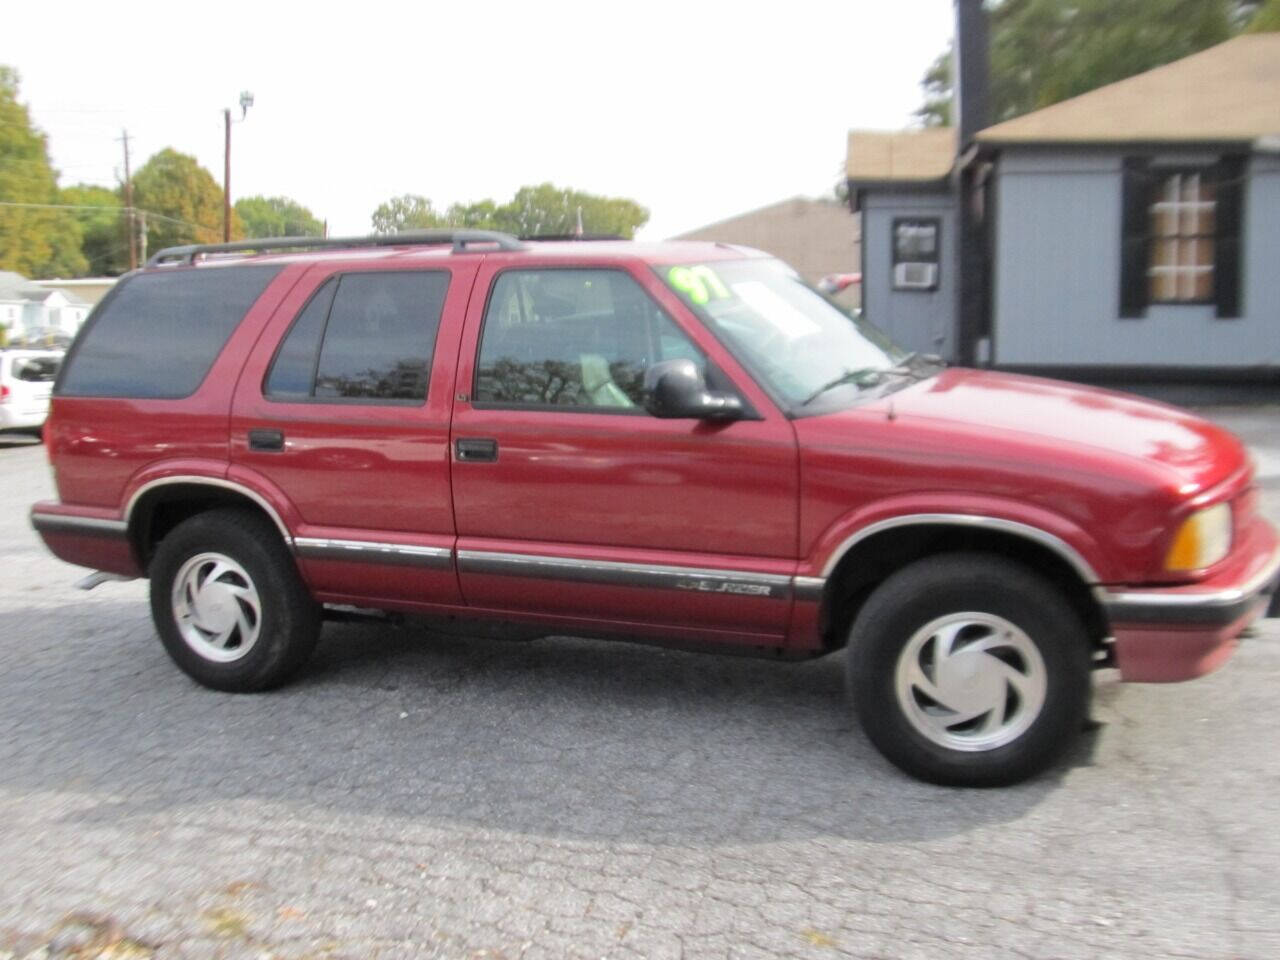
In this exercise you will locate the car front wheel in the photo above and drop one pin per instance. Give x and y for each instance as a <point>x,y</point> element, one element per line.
<point>229,604</point>
<point>969,670</point>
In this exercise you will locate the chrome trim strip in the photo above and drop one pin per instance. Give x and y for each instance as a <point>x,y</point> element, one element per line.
<point>88,526</point>
<point>372,551</point>
<point>210,482</point>
<point>1042,537</point>
<point>700,579</point>
<point>808,588</point>
<point>1211,605</point>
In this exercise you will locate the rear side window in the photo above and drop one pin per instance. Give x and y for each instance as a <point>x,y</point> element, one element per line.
<point>364,337</point>
<point>158,334</point>
<point>36,369</point>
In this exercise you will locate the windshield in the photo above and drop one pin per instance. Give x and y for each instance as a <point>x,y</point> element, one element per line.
<point>799,344</point>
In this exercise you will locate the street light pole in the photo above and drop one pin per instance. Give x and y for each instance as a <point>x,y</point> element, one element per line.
<point>246,101</point>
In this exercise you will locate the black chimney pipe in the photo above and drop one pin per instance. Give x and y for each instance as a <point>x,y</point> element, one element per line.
<point>972,68</point>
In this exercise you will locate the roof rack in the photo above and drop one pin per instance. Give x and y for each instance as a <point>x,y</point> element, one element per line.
<point>545,237</point>
<point>460,239</point>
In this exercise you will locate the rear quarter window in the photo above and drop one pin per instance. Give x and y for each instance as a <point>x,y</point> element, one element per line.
<point>158,334</point>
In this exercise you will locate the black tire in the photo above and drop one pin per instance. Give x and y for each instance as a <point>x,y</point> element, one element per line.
<point>927,592</point>
<point>286,618</point>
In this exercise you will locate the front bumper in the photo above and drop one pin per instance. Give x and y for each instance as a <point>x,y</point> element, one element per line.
<point>1163,635</point>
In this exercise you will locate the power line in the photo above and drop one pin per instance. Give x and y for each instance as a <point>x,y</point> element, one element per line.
<point>103,206</point>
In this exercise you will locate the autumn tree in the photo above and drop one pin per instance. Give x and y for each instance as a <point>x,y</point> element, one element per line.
<point>36,241</point>
<point>277,217</point>
<point>186,199</point>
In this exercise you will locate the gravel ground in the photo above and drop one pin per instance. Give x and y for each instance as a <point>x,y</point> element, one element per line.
<point>418,795</point>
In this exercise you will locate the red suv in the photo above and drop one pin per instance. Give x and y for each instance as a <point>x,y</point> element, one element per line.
<point>681,442</point>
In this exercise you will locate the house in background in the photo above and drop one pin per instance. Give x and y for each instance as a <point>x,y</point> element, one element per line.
<point>817,237</point>
<point>88,289</point>
<point>34,314</point>
<point>1131,233</point>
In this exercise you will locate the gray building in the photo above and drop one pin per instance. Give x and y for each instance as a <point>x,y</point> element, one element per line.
<point>817,237</point>
<point>1129,233</point>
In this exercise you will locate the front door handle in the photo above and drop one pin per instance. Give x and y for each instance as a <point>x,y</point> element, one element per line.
<point>476,449</point>
<point>266,439</point>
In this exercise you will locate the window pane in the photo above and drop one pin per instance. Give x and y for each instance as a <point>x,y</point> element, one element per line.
<point>572,338</point>
<point>1183,222</point>
<point>295,365</point>
<point>381,334</point>
<point>159,333</point>
<point>36,369</point>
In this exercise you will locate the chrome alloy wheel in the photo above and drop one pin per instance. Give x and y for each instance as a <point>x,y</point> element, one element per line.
<point>216,607</point>
<point>970,681</point>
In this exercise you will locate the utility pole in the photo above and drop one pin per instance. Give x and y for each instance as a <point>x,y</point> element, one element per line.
<point>142,234</point>
<point>226,182</point>
<point>128,204</point>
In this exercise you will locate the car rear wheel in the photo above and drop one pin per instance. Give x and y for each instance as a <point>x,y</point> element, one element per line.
<point>229,604</point>
<point>969,670</point>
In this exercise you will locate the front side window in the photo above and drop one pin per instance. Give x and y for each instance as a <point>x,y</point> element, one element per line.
<point>1182,238</point>
<point>800,345</point>
<point>363,337</point>
<point>573,338</point>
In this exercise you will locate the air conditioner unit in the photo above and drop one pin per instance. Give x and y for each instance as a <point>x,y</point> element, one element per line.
<point>915,276</point>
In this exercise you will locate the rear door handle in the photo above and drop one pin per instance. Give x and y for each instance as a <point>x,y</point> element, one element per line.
<point>266,439</point>
<point>476,449</point>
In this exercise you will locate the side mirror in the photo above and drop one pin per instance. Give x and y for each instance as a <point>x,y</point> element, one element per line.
<point>674,389</point>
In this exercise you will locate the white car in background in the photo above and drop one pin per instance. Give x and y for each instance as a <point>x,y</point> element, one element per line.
<point>26,381</point>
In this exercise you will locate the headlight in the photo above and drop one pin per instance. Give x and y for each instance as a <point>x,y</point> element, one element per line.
<point>1203,539</point>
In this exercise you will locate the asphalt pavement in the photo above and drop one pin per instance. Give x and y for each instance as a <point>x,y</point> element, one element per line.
<point>418,795</point>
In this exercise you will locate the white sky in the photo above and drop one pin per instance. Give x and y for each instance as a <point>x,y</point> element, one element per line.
<point>698,110</point>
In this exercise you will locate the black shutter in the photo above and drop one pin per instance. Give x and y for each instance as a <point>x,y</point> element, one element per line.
<point>1135,223</point>
<point>1229,212</point>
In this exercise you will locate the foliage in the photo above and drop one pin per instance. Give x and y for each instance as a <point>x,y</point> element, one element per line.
<point>33,241</point>
<point>1266,18</point>
<point>277,217</point>
<point>1044,51</point>
<point>407,212</point>
<point>187,199</point>
<point>104,232</point>
<point>540,210</point>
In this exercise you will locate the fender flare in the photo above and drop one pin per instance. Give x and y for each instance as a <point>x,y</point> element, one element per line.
<point>973,521</point>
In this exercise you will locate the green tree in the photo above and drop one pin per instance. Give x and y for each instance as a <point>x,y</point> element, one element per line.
<point>1266,18</point>
<point>546,209</point>
<point>1044,51</point>
<point>407,212</point>
<point>541,210</point>
<point>186,198</point>
<point>277,217</point>
<point>104,232</point>
<point>34,241</point>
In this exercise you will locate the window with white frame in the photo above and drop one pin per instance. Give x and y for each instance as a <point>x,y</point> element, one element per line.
<point>1183,231</point>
